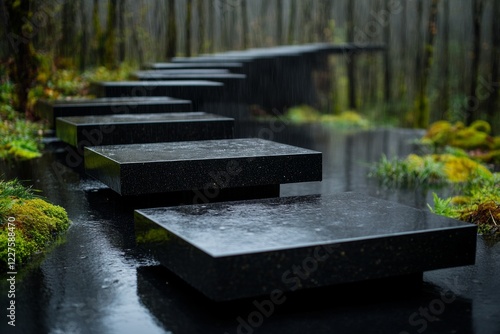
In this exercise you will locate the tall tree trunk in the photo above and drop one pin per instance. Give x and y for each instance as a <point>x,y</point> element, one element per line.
<point>200,5</point>
<point>493,100</point>
<point>68,38</point>
<point>323,29</point>
<point>23,70</point>
<point>403,62</point>
<point>351,63</point>
<point>110,51</point>
<point>121,30</point>
<point>445,95</point>
<point>264,9</point>
<point>244,24</point>
<point>387,57</point>
<point>98,38</point>
<point>279,22</point>
<point>171,31</point>
<point>419,75</point>
<point>223,23</point>
<point>292,21</point>
<point>187,27</point>
<point>423,112</point>
<point>307,31</point>
<point>473,108</point>
<point>232,31</point>
<point>211,26</point>
<point>134,34</point>
<point>83,36</point>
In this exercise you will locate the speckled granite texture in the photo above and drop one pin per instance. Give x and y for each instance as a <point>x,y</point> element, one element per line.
<point>250,248</point>
<point>209,165</point>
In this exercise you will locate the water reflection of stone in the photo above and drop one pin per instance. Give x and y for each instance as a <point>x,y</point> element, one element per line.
<point>376,307</point>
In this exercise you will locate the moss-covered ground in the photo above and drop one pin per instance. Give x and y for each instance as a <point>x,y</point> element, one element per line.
<point>28,224</point>
<point>463,159</point>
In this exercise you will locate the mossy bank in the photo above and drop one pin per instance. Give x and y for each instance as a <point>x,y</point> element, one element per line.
<point>28,225</point>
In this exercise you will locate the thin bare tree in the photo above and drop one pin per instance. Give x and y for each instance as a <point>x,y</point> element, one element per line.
<point>171,30</point>
<point>187,28</point>
<point>473,107</point>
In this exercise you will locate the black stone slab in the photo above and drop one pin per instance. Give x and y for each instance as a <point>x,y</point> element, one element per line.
<point>214,58</point>
<point>209,165</point>
<point>266,247</point>
<point>50,110</point>
<point>197,91</point>
<point>83,131</point>
<point>232,66</point>
<point>184,74</point>
<point>175,72</point>
<point>230,80</point>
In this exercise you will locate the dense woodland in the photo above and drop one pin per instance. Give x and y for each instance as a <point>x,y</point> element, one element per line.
<point>442,58</point>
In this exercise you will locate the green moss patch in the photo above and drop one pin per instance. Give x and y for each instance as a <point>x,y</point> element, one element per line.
<point>477,202</point>
<point>458,162</point>
<point>474,139</point>
<point>28,224</point>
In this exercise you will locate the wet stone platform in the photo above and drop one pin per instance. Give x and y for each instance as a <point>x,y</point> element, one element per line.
<point>234,67</point>
<point>210,165</point>
<point>196,91</point>
<point>50,110</point>
<point>82,131</point>
<point>225,78</point>
<point>177,72</point>
<point>266,247</point>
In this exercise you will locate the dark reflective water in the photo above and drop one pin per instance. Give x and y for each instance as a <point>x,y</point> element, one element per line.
<point>97,282</point>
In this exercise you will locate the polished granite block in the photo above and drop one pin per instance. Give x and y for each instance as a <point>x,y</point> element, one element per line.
<point>266,247</point>
<point>83,131</point>
<point>50,110</point>
<point>210,165</point>
<point>196,91</point>
<point>224,77</point>
<point>176,72</point>
<point>222,59</point>
<point>234,67</point>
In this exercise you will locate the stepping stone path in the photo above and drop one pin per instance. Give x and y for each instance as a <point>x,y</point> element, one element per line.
<point>263,245</point>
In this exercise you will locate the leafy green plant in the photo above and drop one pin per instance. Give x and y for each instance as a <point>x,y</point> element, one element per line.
<point>15,189</point>
<point>412,171</point>
<point>69,83</point>
<point>430,170</point>
<point>20,139</point>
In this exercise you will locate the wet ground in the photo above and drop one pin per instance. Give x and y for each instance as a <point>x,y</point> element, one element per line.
<point>96,281</point>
